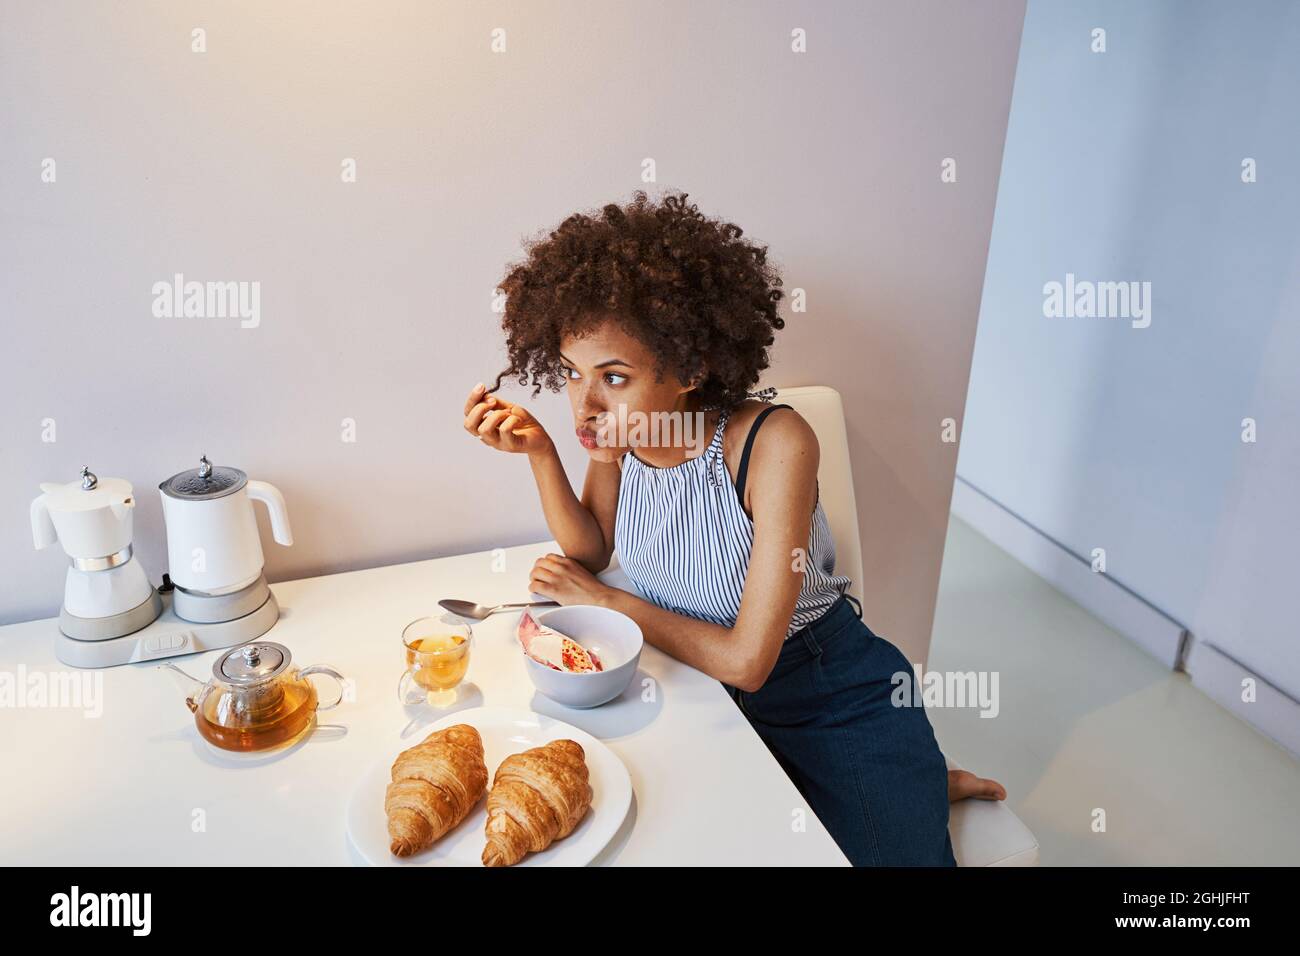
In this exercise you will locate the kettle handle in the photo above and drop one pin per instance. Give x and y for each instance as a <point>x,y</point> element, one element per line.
<point>270,496</point>
<point>43,532</point>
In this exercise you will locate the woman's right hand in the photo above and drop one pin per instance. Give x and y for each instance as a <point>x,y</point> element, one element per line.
<point>503,425</point>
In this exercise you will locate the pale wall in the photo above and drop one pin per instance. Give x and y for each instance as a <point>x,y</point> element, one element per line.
<point>376,296</point>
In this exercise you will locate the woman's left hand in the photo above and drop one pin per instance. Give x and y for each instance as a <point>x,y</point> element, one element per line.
<point>562,579</point>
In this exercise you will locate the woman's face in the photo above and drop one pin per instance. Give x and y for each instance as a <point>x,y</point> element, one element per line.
<point>610,378</point>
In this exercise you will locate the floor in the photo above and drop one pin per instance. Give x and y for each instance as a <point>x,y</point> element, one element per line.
<point>1089,726</point>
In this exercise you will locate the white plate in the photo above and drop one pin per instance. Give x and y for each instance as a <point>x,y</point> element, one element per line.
<point>504,731</point>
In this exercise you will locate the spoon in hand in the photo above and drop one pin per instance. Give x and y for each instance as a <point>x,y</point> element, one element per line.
<point>479,612</point>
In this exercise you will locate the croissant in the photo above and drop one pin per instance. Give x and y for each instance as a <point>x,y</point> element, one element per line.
<point>537,797</point>
<point>435,785</point>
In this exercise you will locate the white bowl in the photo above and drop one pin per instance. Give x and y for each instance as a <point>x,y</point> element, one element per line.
<point>614,638</point>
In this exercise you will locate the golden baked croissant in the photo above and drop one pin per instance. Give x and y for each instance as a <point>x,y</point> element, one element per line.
<point>435,784</point>
<point>537,797</point>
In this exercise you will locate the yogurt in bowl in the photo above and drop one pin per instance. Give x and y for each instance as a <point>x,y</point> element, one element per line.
<point>608,649</point>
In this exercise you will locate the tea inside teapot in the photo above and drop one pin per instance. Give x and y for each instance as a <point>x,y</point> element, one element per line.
<point>257,720</point>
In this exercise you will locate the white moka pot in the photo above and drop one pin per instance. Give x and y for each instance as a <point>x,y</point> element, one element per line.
<point>91,518</point>
<point>212,542</point>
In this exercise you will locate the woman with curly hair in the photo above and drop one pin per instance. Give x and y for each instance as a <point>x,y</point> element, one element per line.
<point>652,309</point>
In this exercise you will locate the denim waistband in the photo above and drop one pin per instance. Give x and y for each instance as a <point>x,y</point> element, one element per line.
<point>808,641</point>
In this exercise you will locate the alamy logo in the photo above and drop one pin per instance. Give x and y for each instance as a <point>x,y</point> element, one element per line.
<point>103,909</point>
<point>1093,300</point>
<point>179,299</point>
<point>924,688</point>
<point>624,428</point>
<point>71,690</point>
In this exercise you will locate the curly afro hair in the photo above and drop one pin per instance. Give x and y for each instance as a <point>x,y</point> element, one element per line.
<point>700,297</point>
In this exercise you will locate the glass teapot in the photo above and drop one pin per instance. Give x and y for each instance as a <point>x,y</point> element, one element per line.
<point>256,699</point>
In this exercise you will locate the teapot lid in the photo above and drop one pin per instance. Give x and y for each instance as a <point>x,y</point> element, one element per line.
<point>252,663</point>
<point>204,482</point>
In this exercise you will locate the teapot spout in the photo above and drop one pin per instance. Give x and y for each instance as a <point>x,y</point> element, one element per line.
<point>193,689</point>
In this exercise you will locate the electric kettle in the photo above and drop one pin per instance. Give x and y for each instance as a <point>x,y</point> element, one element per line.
<point>213,547</point>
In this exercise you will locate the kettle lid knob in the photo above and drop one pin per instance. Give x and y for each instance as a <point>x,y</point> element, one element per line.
<point>88,479</point>
<point>205,467</point>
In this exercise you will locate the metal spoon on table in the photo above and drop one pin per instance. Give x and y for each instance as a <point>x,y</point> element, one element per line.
<point>480,612</point>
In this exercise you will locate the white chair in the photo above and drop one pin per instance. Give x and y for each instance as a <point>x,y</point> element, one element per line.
<point>984,832</point>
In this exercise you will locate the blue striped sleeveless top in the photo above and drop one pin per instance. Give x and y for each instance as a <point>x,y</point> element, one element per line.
<point>684,540</point>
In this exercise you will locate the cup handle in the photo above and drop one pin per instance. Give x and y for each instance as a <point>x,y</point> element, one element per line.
<point>328,672</point>
<point>404,687</point>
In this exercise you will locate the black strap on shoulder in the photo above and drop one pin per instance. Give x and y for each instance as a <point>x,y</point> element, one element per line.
<point>743,470</point>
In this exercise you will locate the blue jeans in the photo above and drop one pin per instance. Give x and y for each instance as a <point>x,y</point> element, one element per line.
<point>871,771</point>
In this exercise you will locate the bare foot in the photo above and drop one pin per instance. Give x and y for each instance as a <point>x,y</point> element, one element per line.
<point>963,784</point>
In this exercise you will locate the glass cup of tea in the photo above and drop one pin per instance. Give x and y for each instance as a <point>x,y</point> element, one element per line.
<point>437,657</point>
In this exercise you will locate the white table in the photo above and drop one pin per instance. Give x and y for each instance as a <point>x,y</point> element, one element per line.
<point>130,786</point>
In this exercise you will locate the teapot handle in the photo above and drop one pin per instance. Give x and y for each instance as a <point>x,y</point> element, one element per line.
<point>328,672</point>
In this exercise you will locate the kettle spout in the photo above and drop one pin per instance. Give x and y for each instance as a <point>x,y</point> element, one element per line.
<point>193,689</point>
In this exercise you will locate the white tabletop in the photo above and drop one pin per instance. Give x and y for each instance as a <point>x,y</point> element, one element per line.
<point>136,785</point>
